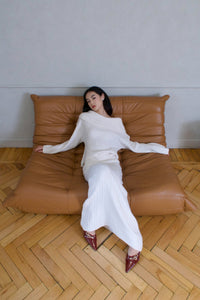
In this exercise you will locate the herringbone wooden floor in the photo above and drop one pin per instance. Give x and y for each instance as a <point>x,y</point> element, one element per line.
<point>46,257</point>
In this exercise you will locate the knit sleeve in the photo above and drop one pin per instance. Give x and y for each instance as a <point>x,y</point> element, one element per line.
<point>74,141</point>
<point>141,147</point>
<point>147,148</point>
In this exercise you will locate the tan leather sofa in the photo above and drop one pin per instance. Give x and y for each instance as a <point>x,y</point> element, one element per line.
<point>54,184</point>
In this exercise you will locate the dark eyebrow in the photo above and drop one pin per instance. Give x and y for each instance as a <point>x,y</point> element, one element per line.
<point>91,96</point>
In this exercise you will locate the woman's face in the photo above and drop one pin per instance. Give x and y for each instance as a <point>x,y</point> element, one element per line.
<point>95,101</point>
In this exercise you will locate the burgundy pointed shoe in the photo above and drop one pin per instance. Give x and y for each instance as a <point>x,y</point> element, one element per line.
<point>91,239</point>
<point>131,261</point>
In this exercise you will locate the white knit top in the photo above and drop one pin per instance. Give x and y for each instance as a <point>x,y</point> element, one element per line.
<point>103,137</point>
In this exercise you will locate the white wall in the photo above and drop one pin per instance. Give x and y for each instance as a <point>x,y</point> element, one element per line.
<point>128,47</point>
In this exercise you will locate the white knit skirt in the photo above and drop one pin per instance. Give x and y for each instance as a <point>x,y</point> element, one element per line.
<point>107,204</point>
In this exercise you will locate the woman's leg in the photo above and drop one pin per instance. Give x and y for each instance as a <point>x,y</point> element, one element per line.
<point>91,232</point>
<point>132,251</point>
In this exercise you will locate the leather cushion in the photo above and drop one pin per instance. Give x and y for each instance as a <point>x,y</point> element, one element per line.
<point>55,183</point>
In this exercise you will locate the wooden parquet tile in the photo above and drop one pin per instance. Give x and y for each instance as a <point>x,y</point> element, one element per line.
<point>46,256</point>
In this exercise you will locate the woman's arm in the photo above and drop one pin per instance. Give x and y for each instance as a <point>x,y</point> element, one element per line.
<point>141,147</point>
<point>147,148</point>
<point>75,139</point>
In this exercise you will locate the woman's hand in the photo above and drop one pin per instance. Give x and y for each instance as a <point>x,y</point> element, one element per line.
<point>39,149</point>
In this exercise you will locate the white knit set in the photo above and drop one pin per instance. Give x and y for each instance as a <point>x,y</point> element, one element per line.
<point>107,203</point>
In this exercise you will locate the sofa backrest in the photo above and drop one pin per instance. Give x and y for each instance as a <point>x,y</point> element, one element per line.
<point>56,117</point>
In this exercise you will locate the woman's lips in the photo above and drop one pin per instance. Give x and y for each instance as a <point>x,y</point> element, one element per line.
<point>93,106</point>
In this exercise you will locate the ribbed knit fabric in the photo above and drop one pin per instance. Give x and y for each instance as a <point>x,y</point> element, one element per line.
<point>103,138</point>
<point>107,204</point>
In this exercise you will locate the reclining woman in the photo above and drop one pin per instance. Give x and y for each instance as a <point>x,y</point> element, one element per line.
<point>107,203</point>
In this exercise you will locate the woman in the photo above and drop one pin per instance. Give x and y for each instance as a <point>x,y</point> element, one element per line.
<point>107,203</point>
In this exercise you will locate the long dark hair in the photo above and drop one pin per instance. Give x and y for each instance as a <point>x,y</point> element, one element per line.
<point>106,102</point>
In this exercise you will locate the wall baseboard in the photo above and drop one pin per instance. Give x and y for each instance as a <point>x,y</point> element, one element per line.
<point>184,143</point>
<point>16,143</point>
